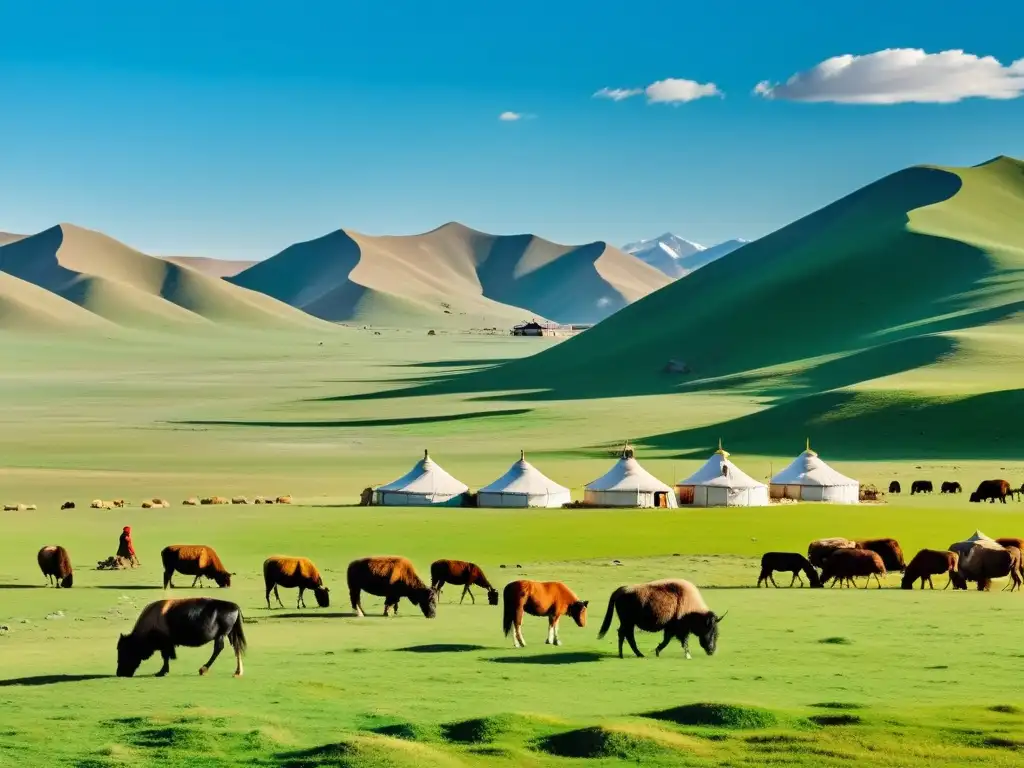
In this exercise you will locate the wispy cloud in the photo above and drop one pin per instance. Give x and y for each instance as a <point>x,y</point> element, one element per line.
<point>671,90</point>
<point>511,117</point>
<point>899,76</point>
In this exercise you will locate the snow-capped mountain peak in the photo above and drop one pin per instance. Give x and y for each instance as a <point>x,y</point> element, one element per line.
<point>675,256</point>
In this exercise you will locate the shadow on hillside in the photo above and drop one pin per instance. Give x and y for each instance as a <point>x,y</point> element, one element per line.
<point>442,648</point>
<point>489,362</point>
<point>848,425</point>
<point>569,657</point>
<point>395,422</point>
<point>50,680</point>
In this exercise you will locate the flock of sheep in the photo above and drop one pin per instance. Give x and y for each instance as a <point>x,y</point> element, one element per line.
<point>157,503</point>
<point>978,559</point>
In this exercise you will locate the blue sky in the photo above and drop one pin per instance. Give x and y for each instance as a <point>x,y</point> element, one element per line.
<point>234,128</point>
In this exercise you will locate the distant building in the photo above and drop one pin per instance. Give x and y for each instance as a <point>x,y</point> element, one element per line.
<point>533,328</point>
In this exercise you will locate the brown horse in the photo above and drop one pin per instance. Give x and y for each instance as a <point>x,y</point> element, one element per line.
<point>461,573</point>
<point>540,598</point>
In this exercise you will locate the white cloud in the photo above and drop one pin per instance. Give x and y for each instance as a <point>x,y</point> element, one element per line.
<point>901,75</point>
<point>510,117</point>
<point>671,90</point>
<point>618,94</point>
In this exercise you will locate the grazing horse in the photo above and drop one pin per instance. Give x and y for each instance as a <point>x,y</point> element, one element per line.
<point>894,487</point>
<point>672,605</point>
<point>540,598</point>
<point>459,572</point>
<point>391,578</point>
<point>928,563</point>
<point>192,622</point>
<point>787,562</point>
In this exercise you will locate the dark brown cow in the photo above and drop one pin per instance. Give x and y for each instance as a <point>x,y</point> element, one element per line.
<point>461,573</point>
<point>888,549</point>
<point>984,563</point>
<point>990,490</point>
<point>844,564</point>
<point>787,562</point>
<point>55,563</point>
<point>391,578</point>
<point>196,560</point>
<point>819,551</point>
<point>928,563</point>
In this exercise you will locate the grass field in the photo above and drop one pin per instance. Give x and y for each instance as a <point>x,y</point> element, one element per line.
<point>801,678</point>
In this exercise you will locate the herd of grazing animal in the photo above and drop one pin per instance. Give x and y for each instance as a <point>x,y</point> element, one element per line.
<point>157,503</point>
<point>988,490</point>
<point>840,561</point>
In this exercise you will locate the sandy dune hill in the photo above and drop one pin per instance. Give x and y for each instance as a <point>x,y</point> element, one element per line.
<point>129,288</point>
<point>452,271</point>
<point>27,307</point>
<point>211,267</point>
<point>9,237</point>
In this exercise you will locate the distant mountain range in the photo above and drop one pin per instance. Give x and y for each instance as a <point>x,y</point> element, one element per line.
<point>452,276</point>
<point>675,256</point>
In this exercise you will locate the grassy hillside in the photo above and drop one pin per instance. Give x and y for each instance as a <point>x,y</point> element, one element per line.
<point>129,288</point>
<point>901,297</point>
<point>454,276</point>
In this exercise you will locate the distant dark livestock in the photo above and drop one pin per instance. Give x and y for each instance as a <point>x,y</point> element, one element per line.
<point>990,490</point>
<point>894,487</point>
<point>921,486</point>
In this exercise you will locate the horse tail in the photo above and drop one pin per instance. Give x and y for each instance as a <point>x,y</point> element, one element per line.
<point>237,636</point>
<point>508,611</point>
<point>607,623</point>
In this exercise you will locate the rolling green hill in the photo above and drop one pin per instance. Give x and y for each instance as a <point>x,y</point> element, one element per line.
<point>902,296</point>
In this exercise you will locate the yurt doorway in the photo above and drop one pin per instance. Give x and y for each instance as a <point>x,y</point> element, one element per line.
<point>661,499</point>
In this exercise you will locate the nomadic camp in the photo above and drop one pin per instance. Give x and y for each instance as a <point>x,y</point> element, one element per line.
<point>809,478</point>
<point>627,484</point>
<point>426,484</point>
<point>720,483</point>
<point>523,486</point>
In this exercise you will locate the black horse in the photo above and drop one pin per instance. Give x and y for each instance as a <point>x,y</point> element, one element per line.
<point>166,624</point>
<point>787,562</point>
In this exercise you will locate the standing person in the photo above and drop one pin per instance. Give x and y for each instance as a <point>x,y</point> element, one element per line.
<point>125,548</point>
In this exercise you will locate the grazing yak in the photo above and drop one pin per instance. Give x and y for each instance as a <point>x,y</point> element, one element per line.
<point>845,564</point>
<point>672,605</point>
<point>55,563</point>
<point>888,549</point>
<point>1012,542</point>
<point>928,563</point>
<point>391,578</point>
<point>921,486</point>
<point>951,487</point>
<point>787,562</point>
<point>990,490</point>
<point>540,598</point>
<point>819,551</point>
<point>67,505</point>
<point>894,487</point>
<point>291,572</point>
<point>196,560</point>
<point>461,573</point>
<point>191,622</point>
<point>982,559</point>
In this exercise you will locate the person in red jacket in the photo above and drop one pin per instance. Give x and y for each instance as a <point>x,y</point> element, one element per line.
<point>125,548</point>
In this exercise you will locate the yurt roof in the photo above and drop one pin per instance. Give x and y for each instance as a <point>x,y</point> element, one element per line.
<point>525,479</point>
<point>711,473</point>
<point>426,477</point>
<point>627,475</point>
<point>808,469</point>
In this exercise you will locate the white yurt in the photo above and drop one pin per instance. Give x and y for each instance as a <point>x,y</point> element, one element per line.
<point>720,483</point>
<point>627,484</point>
<point>523,486</point>
<point>426,484</point>
<point>809,478</point>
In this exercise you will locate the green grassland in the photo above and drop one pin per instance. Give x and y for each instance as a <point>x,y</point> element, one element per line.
<point>801,678</point>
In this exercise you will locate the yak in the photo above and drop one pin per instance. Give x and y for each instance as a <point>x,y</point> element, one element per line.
<point>289,572</point>
<point>787,562</point>
<point>951,487</point>
<point>928,563</point>
<point>196,560</point>
<point>819,551</point>
<point>983,560</point>
<point>391,578</point>
<point>888,549</point>
<point>67,505</point>
<point>192,622</point>
<point>460,572</point>
<point>55,563</point>
<point>990,490</point>
<point>845,564</point>
<point>894,487</point>
<point>674,606</point>
<point>921,486</point>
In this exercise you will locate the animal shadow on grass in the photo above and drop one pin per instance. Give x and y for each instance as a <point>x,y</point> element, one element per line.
<point>51,679</point>
<point>23,586</point>
<point>311,614</point>
<point>569,657</point>
<point>128,587</point>
<point>442,648</point>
